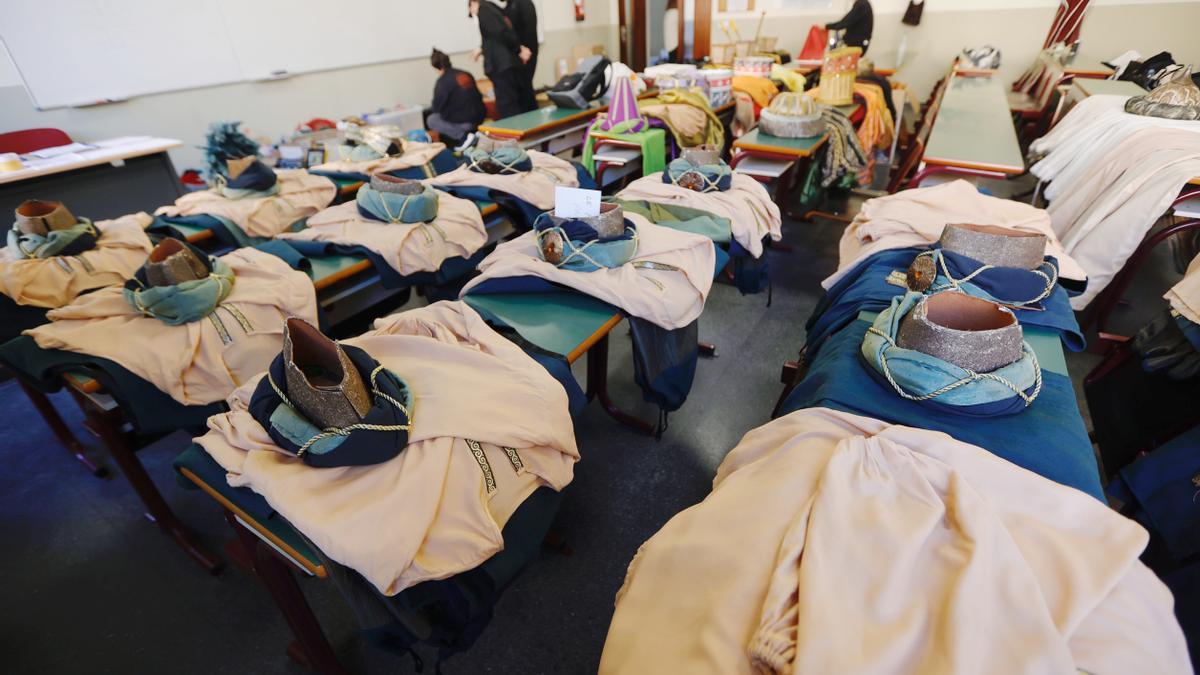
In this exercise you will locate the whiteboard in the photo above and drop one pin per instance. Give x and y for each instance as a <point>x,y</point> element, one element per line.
<point>78,52</point>
<point>308,35</point>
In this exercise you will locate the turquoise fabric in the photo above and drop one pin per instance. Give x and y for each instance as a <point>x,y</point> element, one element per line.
<point>511,159</point>
<point>295,427</point>
<point>71,241</point>
<point>716,177</point>
<point>683,218</point>
<point>182,303</point>
<point>390,207</point>
<point>917,376</point>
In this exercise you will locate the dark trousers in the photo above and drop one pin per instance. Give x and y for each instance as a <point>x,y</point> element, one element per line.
<point>512,91</point>
<point>530,102</point>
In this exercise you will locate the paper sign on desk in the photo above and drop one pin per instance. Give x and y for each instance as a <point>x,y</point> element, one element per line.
<point>576,203</point>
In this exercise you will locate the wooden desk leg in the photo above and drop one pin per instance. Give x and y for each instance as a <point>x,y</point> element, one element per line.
<point>707,349</point>
<point>55,421</point>
<point>107,424</point>
<point>597,388</point>
<point>311,643</point>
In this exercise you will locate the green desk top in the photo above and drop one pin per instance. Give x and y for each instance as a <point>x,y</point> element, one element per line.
<point>1046,344</point>
<point>324,266</point>
<point>974,128</point>
<point>528,123</point>
<point>799,147</point>
<point>1084,65</point>
<point>1094,87</point>
<point>562,322</point>
<point>189,231</point>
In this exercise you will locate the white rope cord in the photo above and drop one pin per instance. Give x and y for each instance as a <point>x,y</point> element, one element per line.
<point>972,376</point>
<point>146,311</point>
<point>1050,280</point>
<point>505,168</point>
<point>575,252</point>
<point>347,430</point>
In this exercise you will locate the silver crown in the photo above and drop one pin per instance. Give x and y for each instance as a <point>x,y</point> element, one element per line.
<point>969,332</point>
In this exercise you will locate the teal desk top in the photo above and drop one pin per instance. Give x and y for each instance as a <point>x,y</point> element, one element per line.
<point>563,322</point>
<point>1046,344</point>
<point>536,121</point>
<point>798,147</point>
<point>974,129</point>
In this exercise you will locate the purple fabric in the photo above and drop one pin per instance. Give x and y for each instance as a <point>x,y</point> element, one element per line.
<point>623,108</point>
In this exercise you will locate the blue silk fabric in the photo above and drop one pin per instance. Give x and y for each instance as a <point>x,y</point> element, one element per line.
<point>1161,488</point>
<point>865,288</point>
<point>256,178</point>
<point>289,428</point>
<point>1048,437</point>
<point>583,248</point>
<point>918,374</point>
<point>185,302</point>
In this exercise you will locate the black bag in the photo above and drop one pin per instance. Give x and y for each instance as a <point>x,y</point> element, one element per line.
<point>1142,73</point>
<point>585,85</point>
<point>912,15</point>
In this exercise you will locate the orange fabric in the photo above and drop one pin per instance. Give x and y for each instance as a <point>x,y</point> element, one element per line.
<point>760,89</point>
<point>814,44</point>
<point>877,128</point>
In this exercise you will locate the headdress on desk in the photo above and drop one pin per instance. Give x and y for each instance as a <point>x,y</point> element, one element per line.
<point>367,143</point>
<point>700,169</point>
<point>1178,99</point>
<point>179,284</point>
<point>497,156</point>
<point>954,351</point>
<point>792,115</point>
<point>623,116</point>
<point>223,142</point>
<point>995,263</point>
<point>43,229</point>
<point>246,177</point>
<point>397,200</point>
<point>331,405</point>
<point>587,244</point>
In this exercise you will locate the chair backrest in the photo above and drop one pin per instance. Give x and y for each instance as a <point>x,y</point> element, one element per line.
<point>916,149</point>
<point>29,140</point>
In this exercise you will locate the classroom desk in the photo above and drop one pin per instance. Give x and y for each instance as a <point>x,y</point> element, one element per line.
<point>1083,66</point>
<point>1082,88</point>
<point>105,182</point>
<point>973,133</point>
<point>550,129</point>
<point>567,323</point>
<point>885,67</point>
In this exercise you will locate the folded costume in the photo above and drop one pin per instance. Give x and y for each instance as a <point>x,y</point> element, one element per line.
<point>486,426</point>
<point>411,226</point>
<point>833,543</point>
<point>529,177</point>
<point>918,217</point>
<point>269,205</point>
<point>196,328</point>
<point>747,205</point>
<point>345,161</point>
<point>48,275</point>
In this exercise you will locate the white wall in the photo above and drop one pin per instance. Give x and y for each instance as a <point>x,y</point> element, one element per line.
<point>274,108</point>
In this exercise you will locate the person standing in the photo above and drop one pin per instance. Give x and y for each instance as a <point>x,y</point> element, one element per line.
<point>523,15</point>
<point>503,56</point>
<point>859,24</point>
<point>457,108</point>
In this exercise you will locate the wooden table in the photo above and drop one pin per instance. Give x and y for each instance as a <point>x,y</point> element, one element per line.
<point>1093,87</point>
<point>122,176</point>
<point>973,133</point>
<point>1083,66</point>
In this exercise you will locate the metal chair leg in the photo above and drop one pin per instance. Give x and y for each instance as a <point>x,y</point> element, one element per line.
<point>597,388</point>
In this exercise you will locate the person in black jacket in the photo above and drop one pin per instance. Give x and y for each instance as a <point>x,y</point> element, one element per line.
<point>523,15</point>
<point>858,23</point>
<point>503,57</point>
<point>457,108</point>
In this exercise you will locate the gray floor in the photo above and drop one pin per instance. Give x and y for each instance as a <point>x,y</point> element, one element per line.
<point>90,587</point>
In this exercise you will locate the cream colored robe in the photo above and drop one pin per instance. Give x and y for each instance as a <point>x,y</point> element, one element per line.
<point>667,298</point>
<point>917,217</point>
<point>834,543</point>
<point>53,282</point>
<point>193,362</point>
<point>1114,203</point>
<point>1185,295</point>
<point>747,205</point>
<point>416,153</point>
<point>535,186</point>
<point>427,513</point>
<point>408,248</point>
<point>300,195</point>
